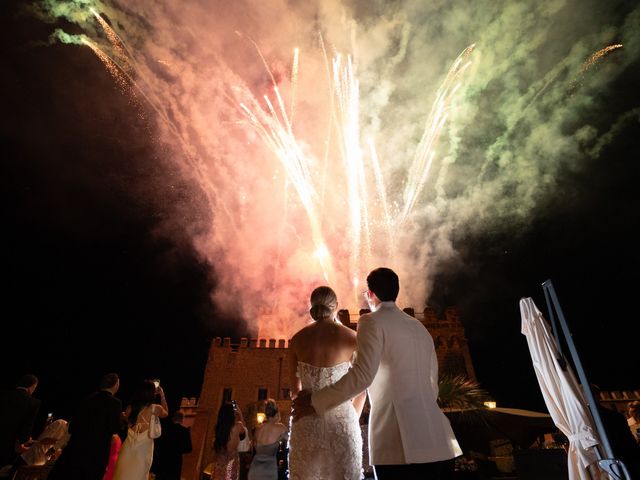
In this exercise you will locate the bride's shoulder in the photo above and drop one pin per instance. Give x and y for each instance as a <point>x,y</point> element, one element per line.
<point>303,333</point>
<point>348,332</point>
<point>295,341</point>
<point>295,338</point>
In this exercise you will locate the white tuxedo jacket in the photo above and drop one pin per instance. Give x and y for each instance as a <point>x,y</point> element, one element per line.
<point>396,360</point>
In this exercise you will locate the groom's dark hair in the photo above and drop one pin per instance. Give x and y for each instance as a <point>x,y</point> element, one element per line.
<point>384,283</point>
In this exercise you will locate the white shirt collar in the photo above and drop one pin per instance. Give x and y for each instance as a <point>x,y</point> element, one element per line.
<point>390,304</point>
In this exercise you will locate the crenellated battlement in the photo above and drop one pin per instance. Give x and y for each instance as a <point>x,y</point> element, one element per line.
<point>250,343</point>
<point>449,322</point>
<point>426,316</point>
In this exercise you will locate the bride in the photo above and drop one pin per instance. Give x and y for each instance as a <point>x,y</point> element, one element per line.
<point>329,446</point>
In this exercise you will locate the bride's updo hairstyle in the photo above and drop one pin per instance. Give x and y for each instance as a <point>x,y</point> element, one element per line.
<point>323,303</point>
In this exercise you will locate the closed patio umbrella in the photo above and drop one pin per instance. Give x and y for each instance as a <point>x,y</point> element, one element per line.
<point>561,391</point>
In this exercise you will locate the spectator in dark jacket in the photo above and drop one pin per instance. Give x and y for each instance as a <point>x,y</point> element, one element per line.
<point>174,442</point>
<point>18,411</point>
<point>620,437</point>
<point>623,444</point>
<point>91,427</point>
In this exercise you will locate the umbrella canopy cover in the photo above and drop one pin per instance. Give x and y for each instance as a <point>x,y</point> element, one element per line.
<point>562,393</point>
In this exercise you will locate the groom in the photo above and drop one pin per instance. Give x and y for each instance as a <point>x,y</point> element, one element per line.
<point>409,436</point>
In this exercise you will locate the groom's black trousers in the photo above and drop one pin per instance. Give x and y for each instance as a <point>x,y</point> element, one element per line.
<point>416,471</point>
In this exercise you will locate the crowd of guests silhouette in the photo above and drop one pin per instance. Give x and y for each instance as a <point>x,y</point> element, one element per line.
<point>100,441</point>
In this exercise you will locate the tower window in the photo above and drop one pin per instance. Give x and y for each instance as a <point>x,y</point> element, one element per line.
<point>227,394</point>
<point>263,393</point>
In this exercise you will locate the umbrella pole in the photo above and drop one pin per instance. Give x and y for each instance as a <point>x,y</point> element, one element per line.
<point>562,360</point>
<point>609,464</point>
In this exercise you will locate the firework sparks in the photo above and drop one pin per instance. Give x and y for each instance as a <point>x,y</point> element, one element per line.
<point>116,42</point>
<point>361,169</point>
<point>294,163</point>
<point>425,152</point>
<point>294,81</point>
<point>274,127</point>
<point>122,67</point>
<point>114,70</point>
<point>347,120</point>
<point>276,132</point>
<point>593,59</point>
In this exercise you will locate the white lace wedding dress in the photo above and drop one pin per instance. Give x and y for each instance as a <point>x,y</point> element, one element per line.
<point>329,446</point>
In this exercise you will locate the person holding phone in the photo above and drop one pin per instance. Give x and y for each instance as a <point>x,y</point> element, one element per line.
<point>136,455</point>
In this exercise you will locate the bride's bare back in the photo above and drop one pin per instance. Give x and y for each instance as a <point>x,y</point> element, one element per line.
<point>324,343</point>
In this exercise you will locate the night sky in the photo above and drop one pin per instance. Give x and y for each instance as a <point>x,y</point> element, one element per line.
<point>94,282</point>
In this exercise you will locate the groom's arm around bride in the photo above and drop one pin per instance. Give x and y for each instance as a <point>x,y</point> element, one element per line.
<point>409,436</point>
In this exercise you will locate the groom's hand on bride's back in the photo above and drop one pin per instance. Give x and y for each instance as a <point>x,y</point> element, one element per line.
<point>301,406</point>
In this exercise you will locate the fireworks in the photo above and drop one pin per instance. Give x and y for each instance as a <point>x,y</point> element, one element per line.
<point>116,72</point>
<point>594,58</point>
<point>425,152</point>
<point>362,169</point>
<point>275,128</point>
<point>308,165</point>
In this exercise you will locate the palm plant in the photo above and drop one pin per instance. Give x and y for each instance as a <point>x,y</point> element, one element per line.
<point>457,392</point>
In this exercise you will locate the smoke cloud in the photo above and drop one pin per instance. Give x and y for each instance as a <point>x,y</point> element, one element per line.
<point>525,111</point>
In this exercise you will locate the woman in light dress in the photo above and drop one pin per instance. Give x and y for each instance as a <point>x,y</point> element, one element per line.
<point>325,446</point>
<point>136,454</point>
<point>268,436</point>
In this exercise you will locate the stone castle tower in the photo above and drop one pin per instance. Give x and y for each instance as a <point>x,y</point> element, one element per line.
<point>256,369</point>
